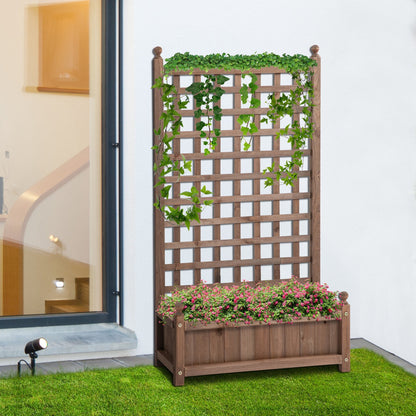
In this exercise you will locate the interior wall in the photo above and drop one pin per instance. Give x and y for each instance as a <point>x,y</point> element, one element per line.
<point>368,142</point>
<point>36,128</point>
<point>63,216</point>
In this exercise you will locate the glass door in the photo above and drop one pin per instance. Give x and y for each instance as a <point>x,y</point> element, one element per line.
<point>51,157</point>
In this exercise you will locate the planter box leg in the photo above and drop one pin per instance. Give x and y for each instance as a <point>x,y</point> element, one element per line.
<point>179,359</point>
<point>345,367</point>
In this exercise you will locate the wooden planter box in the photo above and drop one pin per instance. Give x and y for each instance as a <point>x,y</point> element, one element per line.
<point>188,349</point>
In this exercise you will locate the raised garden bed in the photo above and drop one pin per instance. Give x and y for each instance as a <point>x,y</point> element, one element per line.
<point>192,349</point>
<point>219,329</point>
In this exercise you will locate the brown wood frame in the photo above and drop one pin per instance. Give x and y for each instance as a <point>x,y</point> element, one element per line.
<point>172,344</point>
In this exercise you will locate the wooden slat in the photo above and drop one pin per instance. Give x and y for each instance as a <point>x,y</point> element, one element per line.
<point>322,338</point>
<point>201,347</point>
<point>176,190</point>
<point>237,155</point>
<point>216,346</point>
<point>231,340</point>
<point>315,168</point>
<point>162,357</point>
<point>244,220</point>
<point>295,208</point>
<point>262,342</point>
<point>233,263</point>
<point>227,177</point>
<point>277,344</point>
<point>292,340</point>
<point>260,365</point>
<point>256,191</point>
<point>196,165</point>
<point>236,177</point>
<point>276,187</point>
<point>202,326</point>
<point>247,344</point>
<point>243,198</point>
<point>307,338</point>
<point>230,133</point>
<point>237,242</point>
<point>158,221</point>
<point>261,89</point>
<point>345,338</point>
<point>234,112</point>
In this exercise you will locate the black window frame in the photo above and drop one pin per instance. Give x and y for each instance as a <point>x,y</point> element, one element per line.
<point>111,11</point>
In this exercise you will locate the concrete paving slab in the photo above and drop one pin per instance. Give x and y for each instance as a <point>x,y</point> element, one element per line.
<point>61,367</point>
<point>135,360</point>
<point>363,343</point>
<point>103,363</point>
<point>8,371</point>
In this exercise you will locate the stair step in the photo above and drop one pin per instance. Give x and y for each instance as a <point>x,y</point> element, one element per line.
<point>81,303</point>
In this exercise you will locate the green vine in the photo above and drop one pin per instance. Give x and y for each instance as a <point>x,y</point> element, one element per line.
<point>207,94</point>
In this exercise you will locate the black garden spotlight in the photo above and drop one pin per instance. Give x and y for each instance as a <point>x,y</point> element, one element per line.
<point>31,348</point>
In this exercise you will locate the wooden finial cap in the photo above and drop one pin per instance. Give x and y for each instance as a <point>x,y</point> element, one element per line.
<point>157,51</point>
<point>343,296</point>
<point>314,50</point>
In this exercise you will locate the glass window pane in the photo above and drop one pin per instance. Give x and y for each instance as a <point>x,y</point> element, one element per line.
<point>50,157</point>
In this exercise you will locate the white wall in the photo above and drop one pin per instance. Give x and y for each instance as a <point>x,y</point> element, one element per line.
<point>368,54</point>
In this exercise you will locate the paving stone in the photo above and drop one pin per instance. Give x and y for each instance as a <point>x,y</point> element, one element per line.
<point>136,360</point>
<point>62,367</point>
<point>100,363</point>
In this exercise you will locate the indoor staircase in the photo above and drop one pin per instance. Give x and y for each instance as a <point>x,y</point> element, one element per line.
<point>81,303</point>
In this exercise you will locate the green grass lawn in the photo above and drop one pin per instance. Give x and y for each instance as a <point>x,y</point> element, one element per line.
<point>374,387</point>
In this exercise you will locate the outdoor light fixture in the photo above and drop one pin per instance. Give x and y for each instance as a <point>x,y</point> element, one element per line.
<point>31,348</point>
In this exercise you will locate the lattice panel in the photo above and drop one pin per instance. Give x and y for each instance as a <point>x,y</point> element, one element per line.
<point>251,233</point>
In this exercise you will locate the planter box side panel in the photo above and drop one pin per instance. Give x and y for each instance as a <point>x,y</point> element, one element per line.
<point>249,343</point>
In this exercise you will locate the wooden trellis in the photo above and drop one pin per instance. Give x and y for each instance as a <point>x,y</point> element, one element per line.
<point>251,233</point>
<point>263,236</point>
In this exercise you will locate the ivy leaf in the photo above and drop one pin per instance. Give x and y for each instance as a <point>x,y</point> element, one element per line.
<point>217,132</point>
<point>244,130</point>
<point>222,79</point>
<point>209,202</point>
<point>165,191</point>
<point>205,191</point>
<point>253,128</point>
<point>246,146</point>
<point>198,113</point>
<point>200,125</point>
<point>255,102</point>
<point>244,118</point>
<point>195,88</point>
<point>244,93</point>
<point>158,83</point>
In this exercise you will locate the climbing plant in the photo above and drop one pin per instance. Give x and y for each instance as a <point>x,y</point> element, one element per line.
<point>207,95</point>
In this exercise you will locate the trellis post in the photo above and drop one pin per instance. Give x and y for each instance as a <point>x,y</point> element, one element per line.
<point>159,237</point>
<point>315,189</point>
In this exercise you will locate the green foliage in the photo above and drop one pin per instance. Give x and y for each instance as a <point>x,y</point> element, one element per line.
<point>374,387</point>
<point>244,304</point>
<point>207,95</point>
<point>187,62</point>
